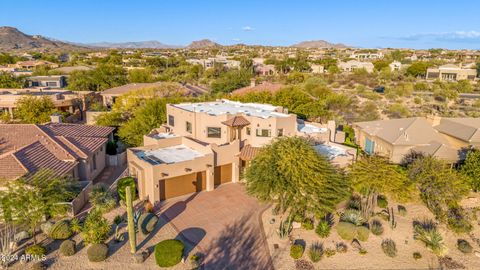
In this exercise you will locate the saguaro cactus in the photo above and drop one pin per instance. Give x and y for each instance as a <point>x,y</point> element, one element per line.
<point>132,238</point>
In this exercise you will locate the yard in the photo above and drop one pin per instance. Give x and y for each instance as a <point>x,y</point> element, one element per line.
<point>374,258</point>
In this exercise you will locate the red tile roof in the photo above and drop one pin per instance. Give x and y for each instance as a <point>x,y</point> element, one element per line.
<point>248,152</point>
<point>26,148</point>
<point>236,121</point>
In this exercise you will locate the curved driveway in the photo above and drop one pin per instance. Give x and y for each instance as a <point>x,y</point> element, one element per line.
<point>225,225</point>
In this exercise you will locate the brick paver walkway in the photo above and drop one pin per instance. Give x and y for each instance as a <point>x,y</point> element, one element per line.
<point>224,224</point>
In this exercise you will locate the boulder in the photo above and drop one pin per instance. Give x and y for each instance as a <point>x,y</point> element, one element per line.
<point>296,225</point>
<point>20,236</point>
<point>46,227</point>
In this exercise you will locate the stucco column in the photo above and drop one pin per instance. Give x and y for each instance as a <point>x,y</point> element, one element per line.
<point>236,170</point>
<point>210,179</point>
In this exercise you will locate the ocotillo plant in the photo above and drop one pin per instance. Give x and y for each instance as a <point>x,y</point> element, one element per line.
<point>132,238</point>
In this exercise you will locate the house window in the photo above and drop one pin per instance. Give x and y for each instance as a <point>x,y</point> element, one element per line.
<point>94,162</point>
<point>171,120</point>
<point>214,132</point>
<point>188,127</point>
<point>280,132</point>
<point>248,131</point>
<point>263,132</point>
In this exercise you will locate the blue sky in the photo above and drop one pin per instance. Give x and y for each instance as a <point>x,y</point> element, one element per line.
<point>387,23</point>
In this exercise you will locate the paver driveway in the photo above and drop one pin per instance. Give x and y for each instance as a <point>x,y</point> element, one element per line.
<point>225,225</point>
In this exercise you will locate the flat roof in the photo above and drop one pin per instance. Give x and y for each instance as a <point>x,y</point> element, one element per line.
<point>171,154</point>
<point>232,107</point>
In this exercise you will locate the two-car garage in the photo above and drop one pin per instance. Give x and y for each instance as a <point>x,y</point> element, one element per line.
<point>193,182</point>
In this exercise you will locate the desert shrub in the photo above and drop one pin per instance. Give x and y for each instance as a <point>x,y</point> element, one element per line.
<point>102,198</point>
<point>382,201</point>
<point>95,229</point>
<point>147,222</point>
<point>346,230</point>
<point>355,202</point>
<point>61,230</point>
<point>457,220</point>
<point>36,250</point>
<point>323,228</point>
<point>307,224</point>
<point>122,184</point>
<point>329,252</point>
<point>426,232</point>
<point>296,251</point>
<point>448,262</point>
<point>168,252</point>
<point>315,252</point>
<point>68,248</point>
<point>376,227</point>
<point>341,247</point>
<point>352,216</point>
<point>417,255</point>
<point>402,211</point>
<point>97,252</point>
<point>464,246</point>
<point>389,247</point>
<point>38,266</point>
<point>148,206</point>
<point>363,233</point>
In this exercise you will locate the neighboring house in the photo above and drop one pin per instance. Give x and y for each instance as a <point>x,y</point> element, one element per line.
<point>395,138</point>
<point>54,81</point>
<point>109,96</point>
<point>451,72</point>
<point>68,70</point>
<point>353,65</point>
<point>256,88</point>
<point>66,149</point>
<point>210,62</point>
<point>366,56</point>
<point>32,64</point>
<point>460,132</point>
<point>207,144</point>
<point>64,100</point>
<point>264,70</point>
<point>317,69</point>
<point>395,66</point>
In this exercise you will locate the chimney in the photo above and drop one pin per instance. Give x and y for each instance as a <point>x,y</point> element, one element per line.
<point>253,83</point>
<point>56,118</point>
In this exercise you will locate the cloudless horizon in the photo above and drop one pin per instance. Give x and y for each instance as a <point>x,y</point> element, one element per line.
<point>367,23</point>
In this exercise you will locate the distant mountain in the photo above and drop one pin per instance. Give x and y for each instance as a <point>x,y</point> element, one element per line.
<point>204,43</point>
<point>318,44</point>
<point>13,40</point>
<point>151,44</point>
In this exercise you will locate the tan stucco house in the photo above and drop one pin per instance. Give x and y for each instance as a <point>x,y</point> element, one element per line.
<point>445,138</point>
<point>207,144</point>
<point>451,72</point>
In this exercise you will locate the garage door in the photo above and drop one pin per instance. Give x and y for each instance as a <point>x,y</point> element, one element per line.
<point>223,174</point>
<point>182,185</point>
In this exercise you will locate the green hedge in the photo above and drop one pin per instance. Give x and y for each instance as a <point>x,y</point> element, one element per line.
<point>97,252</point>
<point>61,230</point>
<point>296,251</point>
<point>168,252</point>
<point>122,184</point>
<point>68,248</point>
<point>37,250</point>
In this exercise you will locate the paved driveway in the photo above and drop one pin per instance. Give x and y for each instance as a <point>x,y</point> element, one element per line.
<point>225,225</point>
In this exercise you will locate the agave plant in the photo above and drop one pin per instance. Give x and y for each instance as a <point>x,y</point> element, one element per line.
<point>285,227</point>
<point>426,232</point>
<point>352,216</point>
